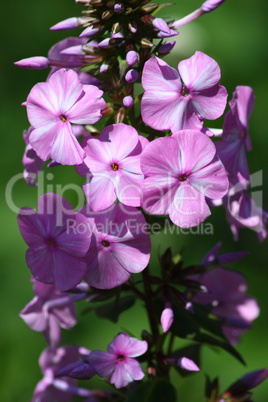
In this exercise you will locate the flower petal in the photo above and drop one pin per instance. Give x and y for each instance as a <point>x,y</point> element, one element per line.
<point>189,207</point>
<point>199,72</point>
<point>101,184</point>
<point>87,110</point>
<point>210,103</point>
<point>65,149</point>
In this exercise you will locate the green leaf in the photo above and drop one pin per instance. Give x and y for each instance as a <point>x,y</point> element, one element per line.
<point>114,308</point>
<point>154,391</point>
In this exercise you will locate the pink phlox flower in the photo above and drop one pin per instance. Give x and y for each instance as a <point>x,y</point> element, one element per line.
<point>178,100</point>
<point>120,245</point>
<point>181,172</point>
<point>119,363</point>
<point>49,311</point>
<point>56,254</point>
<point>227,297</point>
<point>31,162</point>
<point>52,388</point>
<point>113,162</point>
<point>235,140</point>
<point>242,211</point>
<point>52,106</point>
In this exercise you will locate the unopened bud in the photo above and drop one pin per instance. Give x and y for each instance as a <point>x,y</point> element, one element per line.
<point>132,27</point>
<point>108,109</point>
<point>146,43</point>
<point>210,5</point>
<point>128,101</point>
<point>69,23</point>
<point>132,76</point>
<point>104,67</point>
<point>89,31</point>
<point>120,115</point>
<point>106,15</point>
<point>116,28</point>
<point>149,8</point>
<point>132,58</point>
<point>118,8</point>
<point>166,47</point>
<point>33,63</point>
<point>167,318</point>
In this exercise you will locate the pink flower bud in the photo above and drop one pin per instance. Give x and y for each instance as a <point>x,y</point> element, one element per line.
<point>118,8</point>
<point>187,364</point>
<point>132,76</point>
<point>69,23</point>
<point>89,31</point>
<point>33,63</point>
<point>166,48</point>
<point>128,101</point>
<point>132,57</point>
<point>210,5</point>
<point>166,319</point>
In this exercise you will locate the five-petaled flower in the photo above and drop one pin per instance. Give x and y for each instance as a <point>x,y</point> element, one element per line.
<point>178,100</point>
<point>181,172</point>
<point>52,106</point>
<point>119,363</point>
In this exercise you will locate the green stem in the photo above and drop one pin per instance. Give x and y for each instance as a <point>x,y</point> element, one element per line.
<point>148,294</point>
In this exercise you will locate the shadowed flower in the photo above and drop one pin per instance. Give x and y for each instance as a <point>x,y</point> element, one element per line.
<point>181,172</point>
<point>52,106</point>
<point>55,254</point>
<point>235,140</point>
<point>226,294</point>
<point>52,388</point>
<point>49,311</point>
<point>177,100</point>
<point>120,245</point>
<point>119,363</point>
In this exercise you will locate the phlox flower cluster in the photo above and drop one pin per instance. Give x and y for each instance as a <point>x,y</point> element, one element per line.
<point>143,156</point>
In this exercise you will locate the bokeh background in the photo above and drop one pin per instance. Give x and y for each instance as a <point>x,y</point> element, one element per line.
<point>236,36</point>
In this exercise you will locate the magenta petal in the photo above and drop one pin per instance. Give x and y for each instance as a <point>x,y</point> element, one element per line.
<point>94,190</point>
<point>31,226</point>
<point>120,377</point>
<point>41,104</point>
<point>132,255</point>
<point>66,149</point>
<point>119,140</point>
<point>106,272</point>
<point>68,270</point>
<point>159,76</point>
<point>97,157</point>
<point>128,188</point>
<point>196,150</point>
<point>64,88</point>
<point>134,369</point>
<point>199,72</point>
<point>189,207</point>
<point>87,110</point>
<point>210,103</point>
<point>32,315</point>
<point>41,263</point>
<point>42,139</point>
<point>211,180</point>
<point>161,157</point>
<point>158,193</point>
<point>103,362</point>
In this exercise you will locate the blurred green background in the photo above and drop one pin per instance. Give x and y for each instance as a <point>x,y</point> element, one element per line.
<point>236,36</point>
